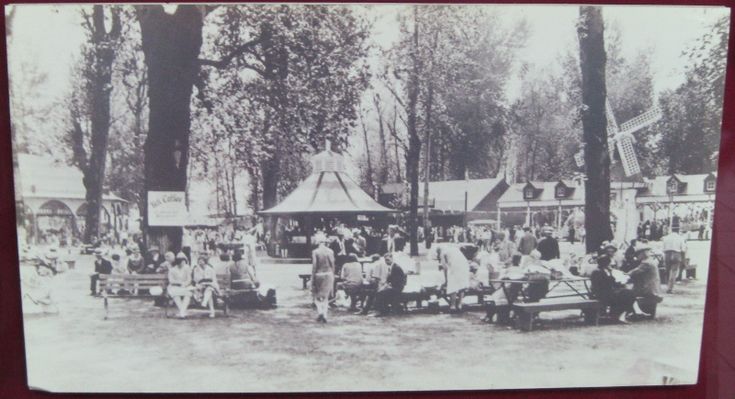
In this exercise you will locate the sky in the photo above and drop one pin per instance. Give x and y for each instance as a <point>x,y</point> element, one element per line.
<point>49,37</point>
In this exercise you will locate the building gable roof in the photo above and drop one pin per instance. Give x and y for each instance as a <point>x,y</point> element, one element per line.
<point>42,177</point>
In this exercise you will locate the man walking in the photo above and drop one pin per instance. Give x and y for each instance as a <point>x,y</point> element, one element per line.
<point>527,242</point>
<point>674,251</point>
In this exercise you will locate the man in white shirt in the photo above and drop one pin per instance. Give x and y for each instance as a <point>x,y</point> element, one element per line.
<point>675,247</point>
<point>378,278</point>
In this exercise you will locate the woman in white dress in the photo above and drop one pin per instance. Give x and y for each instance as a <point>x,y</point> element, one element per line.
<point>456,270</point>
<point>179,284</point>
<point>205,283</point>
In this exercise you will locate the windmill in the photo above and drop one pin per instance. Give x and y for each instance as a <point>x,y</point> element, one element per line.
<point>621,137</point>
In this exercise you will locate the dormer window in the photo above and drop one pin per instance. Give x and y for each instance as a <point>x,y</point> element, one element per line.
<point>672,187</point>
<point>710,183</point>
<point>528,193</point>
<point>560,191</point>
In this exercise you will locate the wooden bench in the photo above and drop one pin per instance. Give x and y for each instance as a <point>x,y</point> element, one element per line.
<point>134,286</point>
<point>480,293</point>
<point>527,311</point>
<point>137,286</point>
<point>229,295</point>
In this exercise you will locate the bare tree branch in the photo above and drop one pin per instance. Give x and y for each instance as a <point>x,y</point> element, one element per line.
<point>224,61</point>
<point>393,132</point>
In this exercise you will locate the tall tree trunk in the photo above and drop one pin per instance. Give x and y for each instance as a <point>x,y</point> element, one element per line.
<point>254,189</point>
<point>171,44</point>
<point>234,192</point>
<point>395,144</point>
<point>270,172</point>
<point>369,161</point>
<point>384,154</point>
<point>594,122</point>
<point>103,50</point>
<point>414,142</point>
<point>427,158</point>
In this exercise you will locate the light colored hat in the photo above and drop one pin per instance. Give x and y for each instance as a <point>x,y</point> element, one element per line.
<point>319,237</point>
<point>535,254</point>
<point>609,244</point>
<point>181,255</point>
<point>99,251</point>
<point>642,247</point>
<point>52,254</point>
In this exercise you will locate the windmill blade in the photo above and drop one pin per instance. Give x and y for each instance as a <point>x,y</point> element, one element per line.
<point>645,119</point>
<point>612,124</point>
<point>627,155</point>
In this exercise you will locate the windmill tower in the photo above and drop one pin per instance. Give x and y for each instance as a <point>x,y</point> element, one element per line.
<point>620,137</point>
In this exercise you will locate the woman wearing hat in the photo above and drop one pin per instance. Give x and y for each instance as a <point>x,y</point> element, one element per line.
<point>179,284</point>
<point>205,282</point>
<point>322,276</point>
<point>37,296</point>
<point>456,271</point>
<point>609,292</point>
<point>136,263</point>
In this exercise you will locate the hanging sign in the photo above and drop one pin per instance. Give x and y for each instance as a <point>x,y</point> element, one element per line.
<point>167,208</point>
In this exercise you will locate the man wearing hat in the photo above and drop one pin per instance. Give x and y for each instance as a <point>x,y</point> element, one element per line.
<point>527,242</point>
<point>548,246</point>
<point>339,248</point>
<point>645,279</point>
<point>101,266</point>
<point>674,249</point>
<point>153,259</point>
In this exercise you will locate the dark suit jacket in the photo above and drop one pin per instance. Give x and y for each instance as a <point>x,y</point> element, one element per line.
<point>102,266</point>
<point>549,248</point>
<point>397,278</point>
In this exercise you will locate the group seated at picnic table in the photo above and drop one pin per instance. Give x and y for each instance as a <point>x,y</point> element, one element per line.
<point>626,287</point>
<point>181,282</point>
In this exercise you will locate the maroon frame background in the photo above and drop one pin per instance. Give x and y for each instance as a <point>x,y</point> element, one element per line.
<point>717,362</point>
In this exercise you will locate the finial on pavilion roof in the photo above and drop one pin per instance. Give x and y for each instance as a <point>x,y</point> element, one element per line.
<point>328,160</point>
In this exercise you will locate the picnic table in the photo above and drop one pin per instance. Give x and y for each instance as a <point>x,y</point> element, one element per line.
<point>570,282</point>
<point>578,296</point>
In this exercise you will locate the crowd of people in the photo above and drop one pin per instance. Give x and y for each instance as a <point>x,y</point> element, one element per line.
<point>474,258</point>
<point>186,282</point>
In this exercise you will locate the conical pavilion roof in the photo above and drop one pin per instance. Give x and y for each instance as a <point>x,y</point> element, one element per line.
<point>328,190</point>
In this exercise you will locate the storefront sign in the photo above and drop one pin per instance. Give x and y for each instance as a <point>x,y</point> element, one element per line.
<point>167,208</point>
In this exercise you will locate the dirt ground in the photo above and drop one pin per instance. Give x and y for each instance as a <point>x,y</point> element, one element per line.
<point>284,349</point>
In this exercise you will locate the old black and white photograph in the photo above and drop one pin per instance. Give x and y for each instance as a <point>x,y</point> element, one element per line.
<point>291,197</point>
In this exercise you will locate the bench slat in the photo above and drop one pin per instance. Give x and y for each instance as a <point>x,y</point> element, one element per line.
<point>551,306</point>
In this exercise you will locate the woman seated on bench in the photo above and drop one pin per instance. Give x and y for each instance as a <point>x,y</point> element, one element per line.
<point>205,282</point>
<point>179,284</point>
<point>501,299</point>
<point>610,292</point>
<point>352,280</point>
<point>241,273</point>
